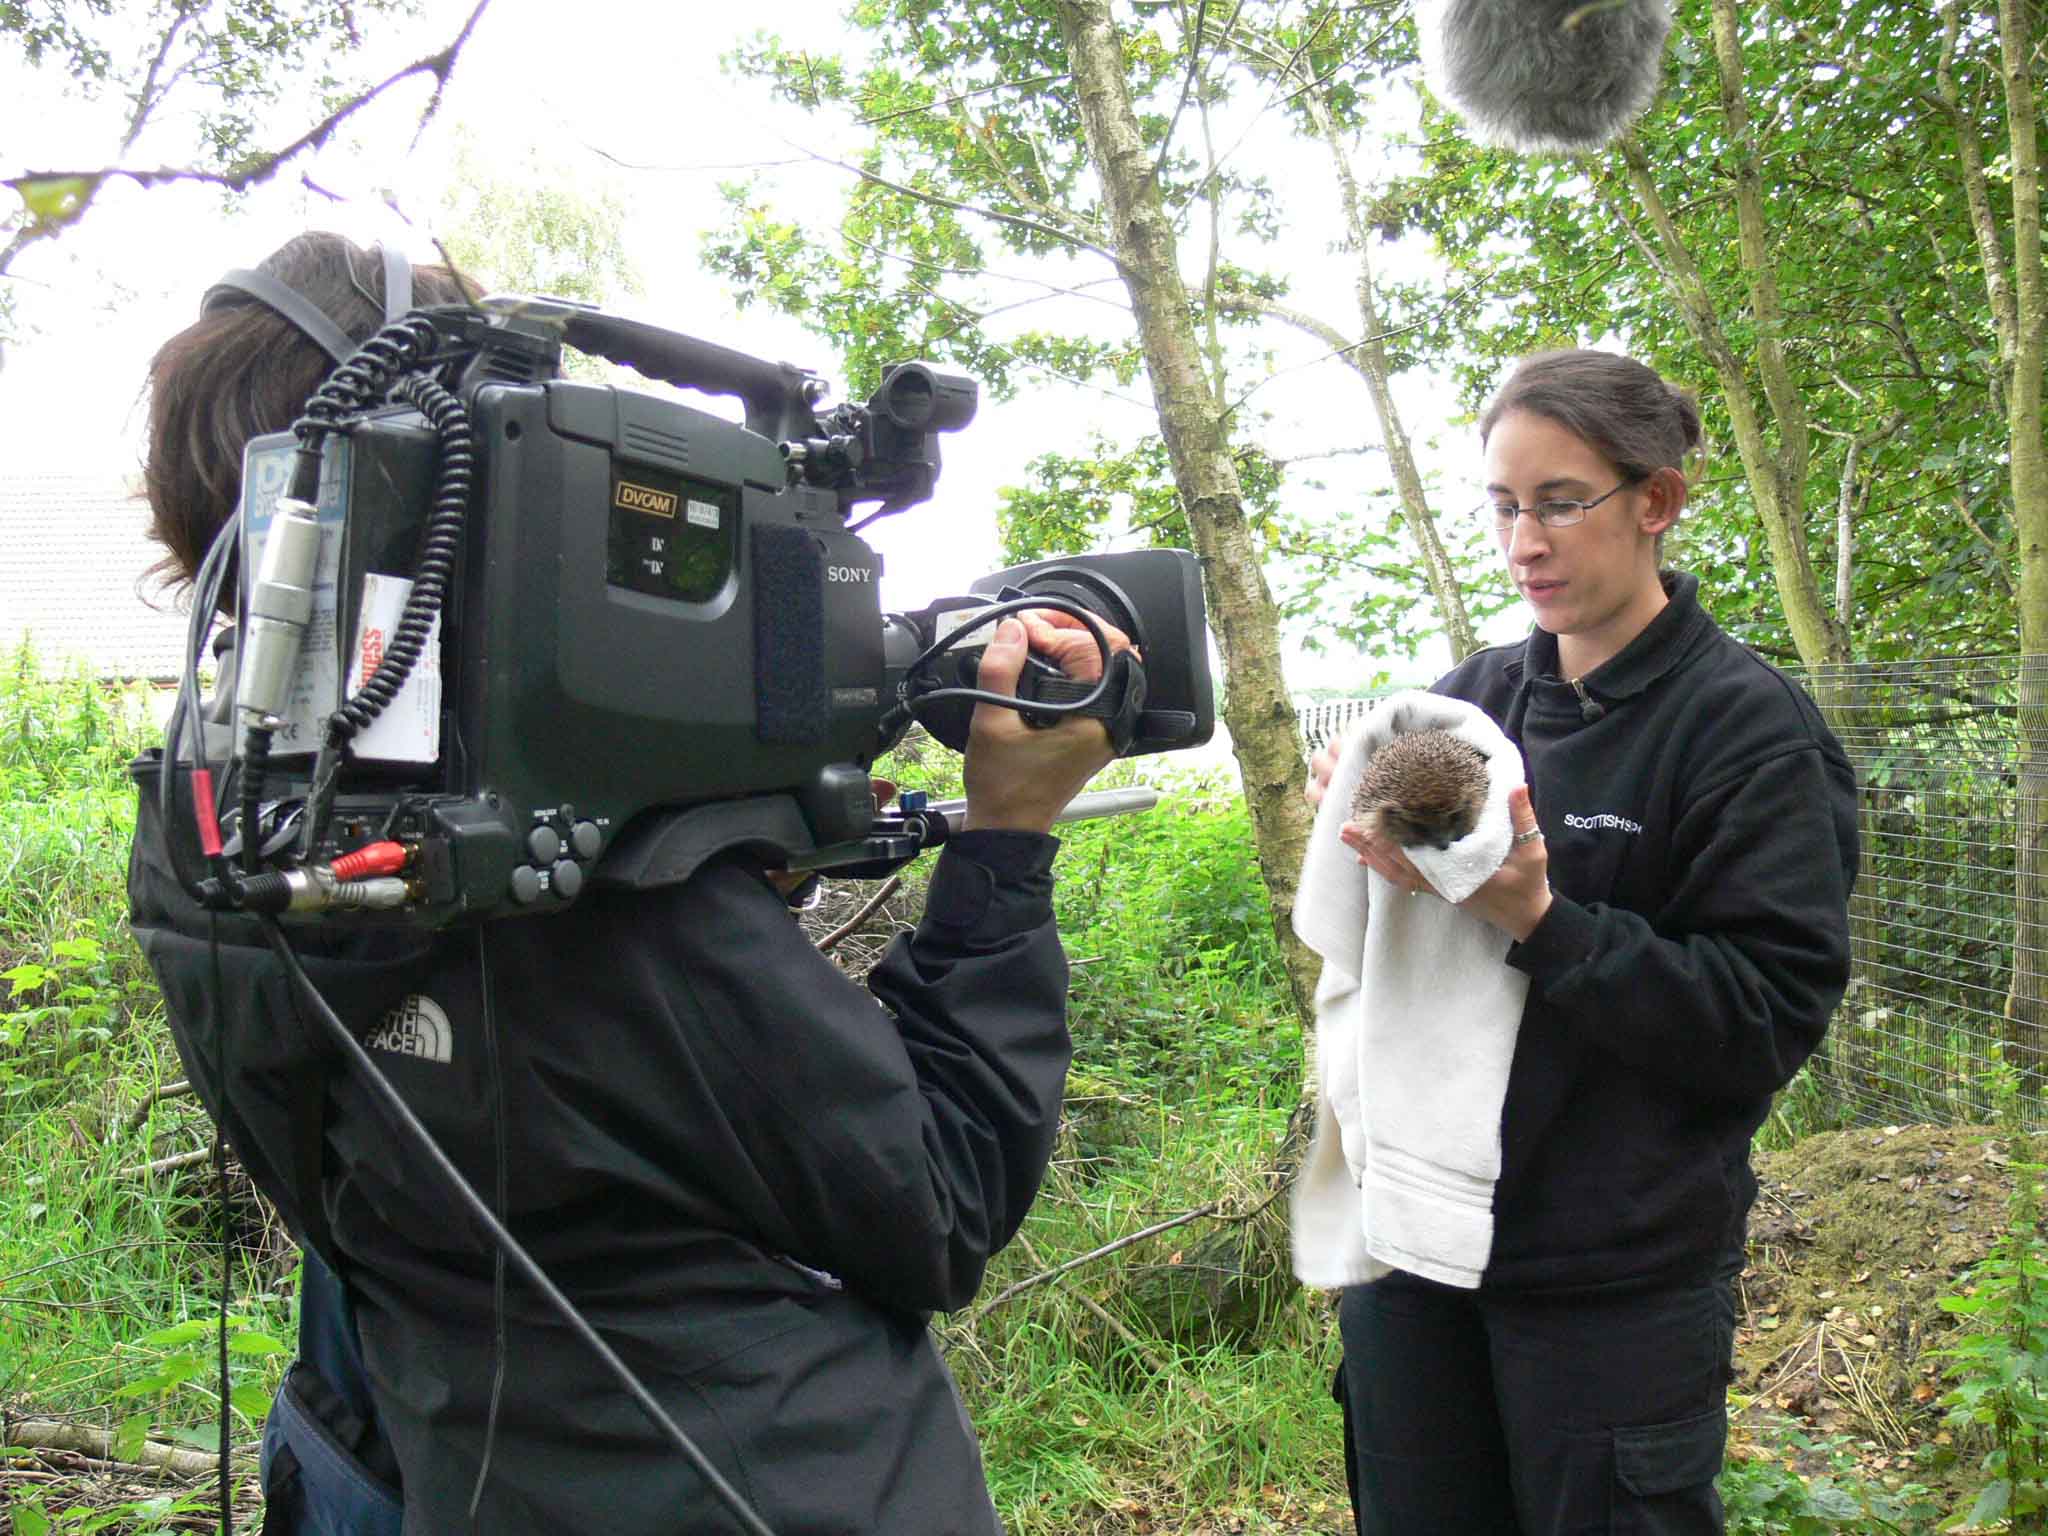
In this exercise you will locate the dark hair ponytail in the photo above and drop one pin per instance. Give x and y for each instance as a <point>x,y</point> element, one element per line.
<point>1639,422</point>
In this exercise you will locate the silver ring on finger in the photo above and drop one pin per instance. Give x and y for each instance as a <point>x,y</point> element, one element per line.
<point>1533,835</point>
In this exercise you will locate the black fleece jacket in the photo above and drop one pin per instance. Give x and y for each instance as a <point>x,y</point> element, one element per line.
<point>754,1178</point>
<point>1700,823</point>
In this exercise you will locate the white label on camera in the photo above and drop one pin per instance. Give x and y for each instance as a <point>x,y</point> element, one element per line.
<point>964,618</point>
<point>701,514</point>
<point>409,730</point>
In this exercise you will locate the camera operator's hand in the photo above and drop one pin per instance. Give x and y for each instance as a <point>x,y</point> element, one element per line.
<point>1019,777</point>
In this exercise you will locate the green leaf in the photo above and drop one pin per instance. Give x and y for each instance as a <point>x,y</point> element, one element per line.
<point>257,1344</point>
<point>179,1334</point>
<point>87,950</point>
<point>1991,1504</point>
<point>56,199</point>
<point>175,1372</point>
<point>251,1401</point>
<point>29,1520</point>
<point>26,977</point>
<point>129,1438</point>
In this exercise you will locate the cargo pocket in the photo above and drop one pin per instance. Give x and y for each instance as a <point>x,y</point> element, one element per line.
<point>1665,1475</point>
<point>313,1485</point>
<point>1340,1390</point>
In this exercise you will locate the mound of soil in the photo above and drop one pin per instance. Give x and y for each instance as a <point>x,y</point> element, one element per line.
<point>1855,1237</point>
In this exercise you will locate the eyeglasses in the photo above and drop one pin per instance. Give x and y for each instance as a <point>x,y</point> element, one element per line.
<point>1500,515</point>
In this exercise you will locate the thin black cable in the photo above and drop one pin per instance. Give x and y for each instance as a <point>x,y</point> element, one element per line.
<point>205,596</point>
<point>493,1069</point>
<point>220,1171</point>
<point>227,1279</point>
<point>1009,700</point>
<point>407,1123</point>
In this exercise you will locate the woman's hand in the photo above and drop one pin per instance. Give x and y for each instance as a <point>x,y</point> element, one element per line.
<point>1514,898</point>
<point>1320,767</point>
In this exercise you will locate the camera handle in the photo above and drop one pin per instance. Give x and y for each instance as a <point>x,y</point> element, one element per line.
<point>777,396</point>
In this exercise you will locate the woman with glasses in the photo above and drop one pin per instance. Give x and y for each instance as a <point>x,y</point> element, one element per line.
<point>1677,895</point>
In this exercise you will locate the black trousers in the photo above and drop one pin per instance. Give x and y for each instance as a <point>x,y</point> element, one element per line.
<point>1470,1413</point>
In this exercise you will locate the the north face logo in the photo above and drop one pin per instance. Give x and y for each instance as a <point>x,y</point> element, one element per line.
<point>416,1027</point>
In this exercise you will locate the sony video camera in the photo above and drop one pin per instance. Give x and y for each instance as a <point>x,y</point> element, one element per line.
<point>510,635</point>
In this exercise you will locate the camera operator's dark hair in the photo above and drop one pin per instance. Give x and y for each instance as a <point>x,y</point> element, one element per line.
<point>1615,403</point>
<point>241,370</point>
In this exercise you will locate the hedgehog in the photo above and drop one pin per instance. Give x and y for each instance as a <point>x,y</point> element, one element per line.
<point>1422,787</point>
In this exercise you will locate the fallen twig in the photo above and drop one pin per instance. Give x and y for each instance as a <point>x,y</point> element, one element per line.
<point>1087,1258</point>
<point>98,1444</point>
<point>868,909</point>
<point>178,1090</point>
<point>167,1164</point>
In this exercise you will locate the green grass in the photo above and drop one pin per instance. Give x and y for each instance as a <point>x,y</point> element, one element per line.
<point>1181,1380</point>
<point>97,1259</point>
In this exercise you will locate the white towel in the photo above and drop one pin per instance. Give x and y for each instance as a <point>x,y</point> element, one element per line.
<point>1416,1016</point>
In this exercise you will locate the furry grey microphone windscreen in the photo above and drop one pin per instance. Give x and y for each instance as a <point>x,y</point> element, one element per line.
<point>1544,76</point>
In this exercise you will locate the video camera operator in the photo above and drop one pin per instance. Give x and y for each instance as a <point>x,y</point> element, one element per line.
<point>753,1181</point>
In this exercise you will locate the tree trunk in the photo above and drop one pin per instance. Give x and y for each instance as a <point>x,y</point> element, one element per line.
<point>1256,706</point>
<point>1776,474</point>
<point>2026,1005</point>
<point>1366,356</point>
<point>1773,484</point>
<point>2027,1009</point>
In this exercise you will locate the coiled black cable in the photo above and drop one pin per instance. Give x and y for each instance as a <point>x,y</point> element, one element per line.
<point>255,769</point>
<point>400,348</point>
<point>440,543</point>
<point>403,344</point>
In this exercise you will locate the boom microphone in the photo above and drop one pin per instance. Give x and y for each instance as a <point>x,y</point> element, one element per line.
<point>1544,76</point>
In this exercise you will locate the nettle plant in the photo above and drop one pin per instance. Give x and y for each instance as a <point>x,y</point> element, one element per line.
<point>1998,1362</point>
<point>61,1015</point>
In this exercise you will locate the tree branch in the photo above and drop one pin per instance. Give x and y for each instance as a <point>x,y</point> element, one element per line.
<point>868,909</point>
<point>178,1090</point>
<point>98,1444</point>
<point>1047,1276</point>
<point>947,101</point>
<point>146,98</point>
<point>1998,555</point>
<point>251,172</point>
<point>937,200</point>
<point>1052,289</point>
<point>1998,285</point>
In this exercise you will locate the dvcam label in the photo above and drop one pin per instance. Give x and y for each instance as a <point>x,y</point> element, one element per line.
<point>645,498</point>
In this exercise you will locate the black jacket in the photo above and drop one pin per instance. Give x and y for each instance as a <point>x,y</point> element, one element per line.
<point>1701,833</point>
<point>754,1178</point>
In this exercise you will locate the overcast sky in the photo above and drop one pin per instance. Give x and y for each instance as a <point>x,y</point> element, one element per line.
<point>636,81</point>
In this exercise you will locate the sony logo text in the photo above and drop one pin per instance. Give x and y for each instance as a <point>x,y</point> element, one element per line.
<point>848,573</point>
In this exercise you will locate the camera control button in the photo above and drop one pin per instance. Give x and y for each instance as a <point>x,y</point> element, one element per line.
<point>585,840</point>
<point>526,885</point>
<point>545,844</point>
<point>568,878</point>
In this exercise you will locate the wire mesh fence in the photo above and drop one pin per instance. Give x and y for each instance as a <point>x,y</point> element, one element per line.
<point>1950,915</point>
